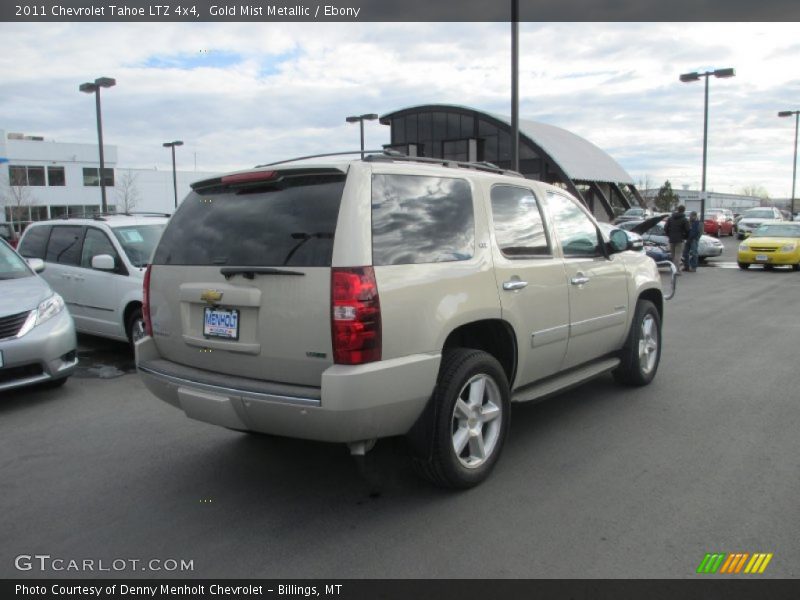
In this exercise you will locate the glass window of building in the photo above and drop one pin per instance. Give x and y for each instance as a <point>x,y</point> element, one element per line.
<point>36,176</point>
<point>17,175</point>
<point>55,176</point>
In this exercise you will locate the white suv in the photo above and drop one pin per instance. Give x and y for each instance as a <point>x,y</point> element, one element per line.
<point>350,301</point>
<point>97,265</point>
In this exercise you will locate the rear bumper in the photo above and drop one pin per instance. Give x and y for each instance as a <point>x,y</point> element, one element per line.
<point>354,403</point>
<point>773,258</point>
<point>45,353</point>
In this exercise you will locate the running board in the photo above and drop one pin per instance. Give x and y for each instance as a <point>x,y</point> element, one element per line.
<point>564,381</point>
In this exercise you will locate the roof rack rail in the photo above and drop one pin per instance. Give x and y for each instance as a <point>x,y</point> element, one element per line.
<point>388,154</point>
<point>288,160</point>
<point>143,213</point>
<point>101,216</point>
<point>478,166</point>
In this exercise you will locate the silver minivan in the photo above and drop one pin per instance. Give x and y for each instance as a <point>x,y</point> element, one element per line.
<point>37,335</point>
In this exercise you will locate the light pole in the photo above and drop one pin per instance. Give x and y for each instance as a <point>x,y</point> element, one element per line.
<point>515,85</point>
<point>174,176</point>
<point>360,120</point>
<point>94,88</point>
<point>695,76</point>
<point>796,113</point>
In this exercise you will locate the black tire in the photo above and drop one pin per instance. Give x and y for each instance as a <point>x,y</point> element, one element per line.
<point>135,327</point>
<point>796,267</point>
<point>464,370</point>
<point>642,350</point>
<point>744,266</point>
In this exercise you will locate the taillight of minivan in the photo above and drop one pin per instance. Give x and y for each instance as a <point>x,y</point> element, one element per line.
<point>148,326</point>
<point>355,316</point>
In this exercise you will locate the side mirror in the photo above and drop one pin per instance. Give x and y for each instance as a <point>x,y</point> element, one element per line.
<point>103,262</point>
<point>619,241</point>
<point>37,264</point>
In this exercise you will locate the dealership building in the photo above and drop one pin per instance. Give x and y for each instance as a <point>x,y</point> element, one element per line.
<point>546,152</point>
<point>42,179</point>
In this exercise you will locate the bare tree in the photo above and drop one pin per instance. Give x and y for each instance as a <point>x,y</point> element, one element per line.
<point>17,196</point>
<point>127,191</point>
<point>756,191</point>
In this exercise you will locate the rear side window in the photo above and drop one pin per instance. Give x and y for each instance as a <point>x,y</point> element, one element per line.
<point>34,242</point>
<point>418,219</point>
<point>518,224</point>
<point>64,246</point>
<point>290,222</point>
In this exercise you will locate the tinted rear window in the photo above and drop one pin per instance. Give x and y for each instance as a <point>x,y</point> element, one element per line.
<point>34,242</point>
<point>418,219</point>
<point>64,246</point>
<point>290,223</point>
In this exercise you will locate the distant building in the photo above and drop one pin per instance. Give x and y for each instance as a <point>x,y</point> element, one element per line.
<point>41,179</point>
<point>691,200</point>
<point>546,152</point>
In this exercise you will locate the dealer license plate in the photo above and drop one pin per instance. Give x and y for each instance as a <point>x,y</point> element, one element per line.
<point>221,323</point>
<point>762,257</point>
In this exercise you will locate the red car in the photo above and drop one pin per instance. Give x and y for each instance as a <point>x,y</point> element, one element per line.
<point>718,222</point>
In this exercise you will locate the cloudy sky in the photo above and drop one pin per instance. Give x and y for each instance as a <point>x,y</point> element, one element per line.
<point>239,94</point>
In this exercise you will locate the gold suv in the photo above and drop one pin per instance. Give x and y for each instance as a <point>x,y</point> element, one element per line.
<point>351,300</point>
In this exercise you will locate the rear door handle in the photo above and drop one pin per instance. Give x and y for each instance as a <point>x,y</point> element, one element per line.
<point>514,284</point>
<point>579,280</point>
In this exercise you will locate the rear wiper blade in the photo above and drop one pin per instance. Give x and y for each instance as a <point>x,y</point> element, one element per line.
<point>251,272</point>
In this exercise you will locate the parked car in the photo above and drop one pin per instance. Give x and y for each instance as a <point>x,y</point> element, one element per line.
<point>653,230</point>
<point>633,214</point>
<point>8,234</point>
<point>346,301</point>
<point>753,217</point>
<point>658,252</point>
<point>718,222</point>
<point>37,335</point>
<point>772,244</point>
<point>97,265</point>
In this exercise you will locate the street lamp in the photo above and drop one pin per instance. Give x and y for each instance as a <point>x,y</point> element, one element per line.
<point>174,176</point>
<point>94,88</point>
<point>694,76</point>
<point>789,113</point>
<point>360,119</point>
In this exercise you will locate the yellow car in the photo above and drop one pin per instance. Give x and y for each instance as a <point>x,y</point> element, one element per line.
<point>772,244</point>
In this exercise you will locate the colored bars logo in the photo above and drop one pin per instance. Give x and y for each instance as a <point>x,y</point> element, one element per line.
<point>734,563</point>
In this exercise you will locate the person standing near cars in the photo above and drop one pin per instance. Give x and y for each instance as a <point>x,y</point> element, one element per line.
<point>677,230</point>
<point>690,256</point>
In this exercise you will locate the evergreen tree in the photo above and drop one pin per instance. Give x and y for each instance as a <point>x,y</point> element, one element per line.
<point>666,200</point>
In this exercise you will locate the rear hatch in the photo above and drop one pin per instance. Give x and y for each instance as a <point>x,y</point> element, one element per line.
<point>240,281</point>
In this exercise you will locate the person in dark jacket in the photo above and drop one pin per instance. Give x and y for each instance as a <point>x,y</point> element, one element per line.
<point>677,230</point>
<point>690,250</point>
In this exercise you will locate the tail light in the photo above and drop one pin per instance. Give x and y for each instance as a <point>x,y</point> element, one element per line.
<point>148,326</point>
<point>355,316</point>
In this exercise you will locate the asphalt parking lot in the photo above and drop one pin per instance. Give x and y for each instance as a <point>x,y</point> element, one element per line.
<point>600,482</point>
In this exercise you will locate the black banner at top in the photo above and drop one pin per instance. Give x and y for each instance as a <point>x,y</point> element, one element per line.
<point>160,11</point>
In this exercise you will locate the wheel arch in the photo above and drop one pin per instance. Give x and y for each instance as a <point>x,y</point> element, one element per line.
<point>656,297</point>
<point>130,307</point>
<point>494,336</point>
